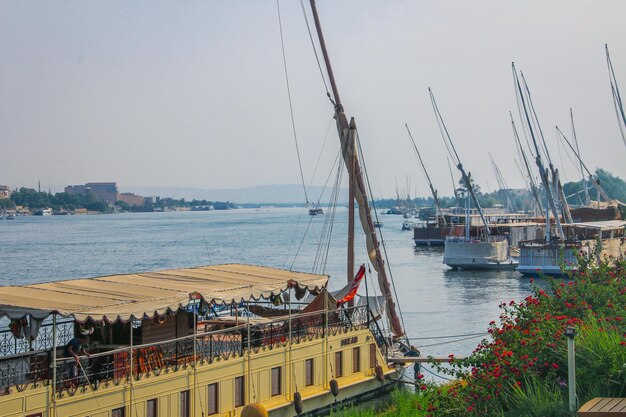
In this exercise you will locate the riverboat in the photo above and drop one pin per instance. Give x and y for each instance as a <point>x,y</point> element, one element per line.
<point>555,257</point>
<point>149,356</point>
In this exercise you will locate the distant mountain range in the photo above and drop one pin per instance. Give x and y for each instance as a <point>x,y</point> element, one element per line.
<point>276,193</point>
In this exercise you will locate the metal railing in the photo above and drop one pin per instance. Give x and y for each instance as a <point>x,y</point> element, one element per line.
<point>114,366</point>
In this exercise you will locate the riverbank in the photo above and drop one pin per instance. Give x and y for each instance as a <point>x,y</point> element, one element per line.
<point>521,369</point>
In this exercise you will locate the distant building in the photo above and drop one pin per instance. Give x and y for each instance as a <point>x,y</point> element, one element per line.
<point>5,191</point>
<point>103,191</point>
<point>151,200</point>
<point>76,189</point>
<point>131,199</point>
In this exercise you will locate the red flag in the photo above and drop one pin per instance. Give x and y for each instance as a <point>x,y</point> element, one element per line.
<point>354,286</point>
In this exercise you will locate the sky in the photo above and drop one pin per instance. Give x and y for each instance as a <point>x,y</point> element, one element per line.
<point>193,94</point>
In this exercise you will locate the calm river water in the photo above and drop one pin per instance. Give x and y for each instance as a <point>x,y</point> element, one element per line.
<point>435,301</point>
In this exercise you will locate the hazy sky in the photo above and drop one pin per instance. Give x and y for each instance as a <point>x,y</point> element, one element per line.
<point>193,93</point>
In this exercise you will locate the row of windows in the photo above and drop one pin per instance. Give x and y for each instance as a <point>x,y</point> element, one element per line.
<point>276,385</point>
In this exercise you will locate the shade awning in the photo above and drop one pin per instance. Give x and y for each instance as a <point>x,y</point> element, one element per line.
<point>144,295</point>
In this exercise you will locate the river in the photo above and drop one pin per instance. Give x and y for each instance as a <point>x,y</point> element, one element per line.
<point>435,301</point>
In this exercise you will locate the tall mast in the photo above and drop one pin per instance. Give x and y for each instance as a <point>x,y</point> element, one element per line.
<point>617,98</point>
<point>542,171</point>
<point>347,134</point>
<point>582,171</point>
<point>466,176</point>
<point>454,187</point>
<point>594,182</point>
<point>430,184</point>
<point>533,186</point>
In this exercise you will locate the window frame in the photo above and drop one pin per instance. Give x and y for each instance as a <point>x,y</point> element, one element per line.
<point>338,364</point>
<point>276,390</point>
<point>356,359</point>
<point>154,401</point>
<point>185,406</point>
<point>309,372</point>
<point>215,400</point>
<point>240,380</point>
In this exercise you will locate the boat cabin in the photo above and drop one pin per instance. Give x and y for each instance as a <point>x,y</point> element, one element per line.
<point>194,340</point>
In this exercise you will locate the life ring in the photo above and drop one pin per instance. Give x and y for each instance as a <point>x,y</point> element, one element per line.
<point>297,402</point>
<point>380,375</point>
<point>334,387</point>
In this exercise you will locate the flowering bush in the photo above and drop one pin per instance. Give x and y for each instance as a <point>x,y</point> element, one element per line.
<point>526,356</point>
<point>521,370</point>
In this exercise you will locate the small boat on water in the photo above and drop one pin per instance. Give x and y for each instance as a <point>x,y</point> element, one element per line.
<point>378,224</point>
<point>10,216</point>
<point>315,211</point>
<point>42,212</point>
<point>408,225</point>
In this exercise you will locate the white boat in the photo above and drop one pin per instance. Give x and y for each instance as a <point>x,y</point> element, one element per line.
<point>490,253</point>
<point>408,225</point>
<point>43,212</point>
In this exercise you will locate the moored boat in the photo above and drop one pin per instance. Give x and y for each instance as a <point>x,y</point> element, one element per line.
<point>147,351</point>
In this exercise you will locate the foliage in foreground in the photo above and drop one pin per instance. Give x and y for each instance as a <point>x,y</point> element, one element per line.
<point>522,369</point>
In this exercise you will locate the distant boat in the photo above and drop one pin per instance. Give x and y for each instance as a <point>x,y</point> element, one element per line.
<point>408,225</point>
<point>378,224</point>
<point>315,211</point>
<point>43,212</point>
<point>10,216</point>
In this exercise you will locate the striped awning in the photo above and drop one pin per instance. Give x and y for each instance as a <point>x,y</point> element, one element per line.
<point>144,295</point>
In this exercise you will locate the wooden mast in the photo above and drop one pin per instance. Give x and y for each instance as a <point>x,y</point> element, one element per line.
<point>347,136</point>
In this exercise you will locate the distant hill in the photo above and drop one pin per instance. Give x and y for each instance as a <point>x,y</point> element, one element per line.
<point>276,193</point>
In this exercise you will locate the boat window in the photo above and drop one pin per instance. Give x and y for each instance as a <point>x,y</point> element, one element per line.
<point>118,412</point>
<point>239,392</point>
<point>308,365</point>
<point>276,381</point>
<point>213,402</point>
<point>356,359</point>
<point>372,355</point>
<point>151,408</point>
<point>338,364</point>
<point>184,403</point>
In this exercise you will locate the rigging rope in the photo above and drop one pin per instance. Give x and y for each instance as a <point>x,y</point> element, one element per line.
<point>382,241</point>
<point>449,337</point>
<point>617,99</point>
<point>319,65</point>
<point>319,158</point>
<point>319,263</point>
<point>535,119</point>
<point>293,122</point>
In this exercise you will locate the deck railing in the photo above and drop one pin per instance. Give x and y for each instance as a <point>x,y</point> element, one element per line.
<point>114,366</point>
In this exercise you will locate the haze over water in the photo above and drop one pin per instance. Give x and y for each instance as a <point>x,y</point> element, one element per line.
<point>435,301</point>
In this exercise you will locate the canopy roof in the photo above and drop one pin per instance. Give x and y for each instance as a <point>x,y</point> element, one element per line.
<point>601,225</point>
<point>144,295</point>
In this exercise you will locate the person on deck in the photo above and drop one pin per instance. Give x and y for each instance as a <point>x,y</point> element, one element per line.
<point>73,350</point>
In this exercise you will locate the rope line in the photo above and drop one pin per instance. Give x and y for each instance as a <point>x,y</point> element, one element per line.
<point>382,241</point>
<point>293,122</point>
<point>319,65</point>
<point>449,337</point>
